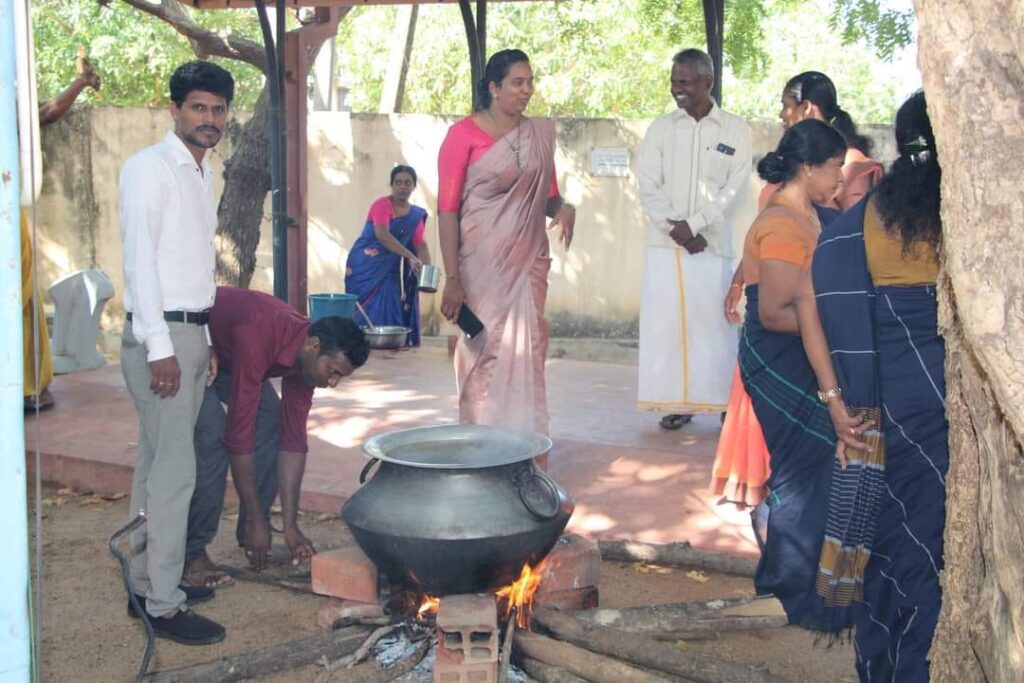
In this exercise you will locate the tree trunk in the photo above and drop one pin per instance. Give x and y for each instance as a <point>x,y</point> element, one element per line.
<point>246,184</point>
<point>971,58</point>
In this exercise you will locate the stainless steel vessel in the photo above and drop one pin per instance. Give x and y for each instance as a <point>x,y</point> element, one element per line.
<point>386,336</point>
<point>430,278</point>
<point>456,509</point>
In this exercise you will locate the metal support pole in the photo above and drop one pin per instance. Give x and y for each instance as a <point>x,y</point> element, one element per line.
<point>278,206</point>
<point>15,635</point>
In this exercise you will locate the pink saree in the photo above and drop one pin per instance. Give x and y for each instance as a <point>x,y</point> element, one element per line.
<point>503,264</point>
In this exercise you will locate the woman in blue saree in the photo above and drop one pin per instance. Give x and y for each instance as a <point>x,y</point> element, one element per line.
<point>881,357</point>
<point>384,263</point>
<point>777,254</point>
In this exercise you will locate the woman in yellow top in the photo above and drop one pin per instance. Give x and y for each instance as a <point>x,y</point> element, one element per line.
<point>777,376</point>
<point>875,347</point>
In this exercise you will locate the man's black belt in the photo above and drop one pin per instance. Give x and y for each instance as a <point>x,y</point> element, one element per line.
<point>194,317</point>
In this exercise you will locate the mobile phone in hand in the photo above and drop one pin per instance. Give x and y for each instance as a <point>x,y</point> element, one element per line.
<point>468,322</point>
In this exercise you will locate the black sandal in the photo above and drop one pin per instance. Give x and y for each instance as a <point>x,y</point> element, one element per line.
<point>674,421</point>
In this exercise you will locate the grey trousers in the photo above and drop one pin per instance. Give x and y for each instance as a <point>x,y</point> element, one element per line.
<point>165,471</point>
<point>212,461</point>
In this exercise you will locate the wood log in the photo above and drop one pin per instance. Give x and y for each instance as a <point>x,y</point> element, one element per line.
<point>637,649</point>
<point>545,673</point>
<point>659,618</point>
<point>693,629</point>
<point>269,579</point>
<point>678,555</point>
<point>583,663</point>
<point>508,638</point>
<point>268,660</point>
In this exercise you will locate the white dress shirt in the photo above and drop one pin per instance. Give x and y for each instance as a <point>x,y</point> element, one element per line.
<point>168,218</point>
<point>694,171</point>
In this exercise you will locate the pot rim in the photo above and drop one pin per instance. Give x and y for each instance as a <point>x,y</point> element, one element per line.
<point>506,446</point>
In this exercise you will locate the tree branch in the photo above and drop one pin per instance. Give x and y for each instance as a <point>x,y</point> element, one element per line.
<point>204,41</point>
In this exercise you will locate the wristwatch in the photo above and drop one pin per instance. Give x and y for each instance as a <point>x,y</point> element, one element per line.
<point>826,396</point>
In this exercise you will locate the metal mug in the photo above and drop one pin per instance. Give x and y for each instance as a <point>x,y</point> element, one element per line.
<point>430,277</point>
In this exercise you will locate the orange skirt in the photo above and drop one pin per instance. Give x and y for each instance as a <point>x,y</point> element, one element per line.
<point>741,462</point>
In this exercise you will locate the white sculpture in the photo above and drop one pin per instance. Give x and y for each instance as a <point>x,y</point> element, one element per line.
<point>78,301</point>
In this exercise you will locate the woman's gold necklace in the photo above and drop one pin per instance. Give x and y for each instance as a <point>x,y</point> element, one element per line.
<point>516,149</point>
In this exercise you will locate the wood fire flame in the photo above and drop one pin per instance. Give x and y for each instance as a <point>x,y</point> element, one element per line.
<point>430,605</point>
<point>518,595</point>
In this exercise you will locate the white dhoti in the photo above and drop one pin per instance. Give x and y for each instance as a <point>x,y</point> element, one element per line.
<point>687,347</point>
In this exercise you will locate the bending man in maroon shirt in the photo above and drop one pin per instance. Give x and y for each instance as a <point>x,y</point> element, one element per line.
<point>258,337</point>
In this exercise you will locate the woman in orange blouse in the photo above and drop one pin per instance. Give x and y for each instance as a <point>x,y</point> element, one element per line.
<point>777,376</point>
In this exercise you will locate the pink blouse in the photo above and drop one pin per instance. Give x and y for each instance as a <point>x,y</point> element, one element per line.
<point>381,213</point>
<point>465,143</point>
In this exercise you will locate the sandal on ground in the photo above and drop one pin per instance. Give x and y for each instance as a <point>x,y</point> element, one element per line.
<point>41,402</point>
<point>674,421</point>
<point>203,572</point>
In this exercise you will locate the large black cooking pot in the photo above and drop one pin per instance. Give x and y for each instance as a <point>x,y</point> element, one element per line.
<point>456,509</point>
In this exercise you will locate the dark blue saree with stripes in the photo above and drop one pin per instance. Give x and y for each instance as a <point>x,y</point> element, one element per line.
<point>801,444</point>
<point>888,353</point>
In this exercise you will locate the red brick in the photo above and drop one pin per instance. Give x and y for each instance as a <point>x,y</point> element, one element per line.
<point>447,670</point>
<point>345,573</point>
<point>336,608</point>
<point>579,598</point>
<point>467,629</point>
<point>574,563</point>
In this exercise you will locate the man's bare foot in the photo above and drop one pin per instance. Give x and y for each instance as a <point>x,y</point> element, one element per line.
<point>202,571</point>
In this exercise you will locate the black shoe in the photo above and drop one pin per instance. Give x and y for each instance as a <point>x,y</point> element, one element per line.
<point>188,628</point>
<point>194,595</point>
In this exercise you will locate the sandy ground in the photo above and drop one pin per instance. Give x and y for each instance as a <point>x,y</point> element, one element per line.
<point>88,637</point>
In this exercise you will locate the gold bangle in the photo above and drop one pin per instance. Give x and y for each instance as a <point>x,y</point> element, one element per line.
<point>735,284</point>
<point>828,395</point>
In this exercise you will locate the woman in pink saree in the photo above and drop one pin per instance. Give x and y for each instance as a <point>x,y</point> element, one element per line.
<point>497,185</point>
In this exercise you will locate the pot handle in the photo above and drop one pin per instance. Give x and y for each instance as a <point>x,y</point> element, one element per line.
<point>547,483</point>
<point>366,469</point>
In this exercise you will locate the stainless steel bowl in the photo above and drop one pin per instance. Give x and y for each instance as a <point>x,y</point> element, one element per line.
<point>386,336</point>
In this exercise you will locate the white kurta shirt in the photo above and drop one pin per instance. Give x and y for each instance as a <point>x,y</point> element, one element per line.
<point>694,171</point>
<point>168,217</point>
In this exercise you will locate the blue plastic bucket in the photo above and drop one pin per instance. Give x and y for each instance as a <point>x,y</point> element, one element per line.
<point>321,305</point>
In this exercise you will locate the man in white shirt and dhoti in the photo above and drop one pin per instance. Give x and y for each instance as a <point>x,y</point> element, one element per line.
<point>693,167</point>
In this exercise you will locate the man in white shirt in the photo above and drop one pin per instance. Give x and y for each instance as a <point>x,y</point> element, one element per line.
<point>168,219</point>
<point>692,168</point>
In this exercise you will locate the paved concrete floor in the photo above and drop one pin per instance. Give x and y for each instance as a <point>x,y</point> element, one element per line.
<point>629,478</point>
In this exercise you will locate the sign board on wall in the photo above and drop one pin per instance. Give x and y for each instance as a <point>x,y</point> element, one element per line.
<point>609,162</point>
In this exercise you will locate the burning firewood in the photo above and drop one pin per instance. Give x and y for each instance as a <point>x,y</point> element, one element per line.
<point>582,662</point>
<point>371,672</point>
<point>506,646</point>
<point>678,555</point>
<point>634,648</point>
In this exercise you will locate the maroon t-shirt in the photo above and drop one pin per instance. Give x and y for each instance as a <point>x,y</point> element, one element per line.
<point>257,336</point>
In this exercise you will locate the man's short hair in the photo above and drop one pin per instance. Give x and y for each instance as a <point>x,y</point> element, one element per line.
<point>697,58</point>
<point>201,75</point>
<point>341,334</point>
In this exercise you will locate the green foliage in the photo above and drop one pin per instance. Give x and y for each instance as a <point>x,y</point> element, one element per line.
<point>592,58</point>
<point>133,53</point>
<point>597,58</point>
<point>885,30</point>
